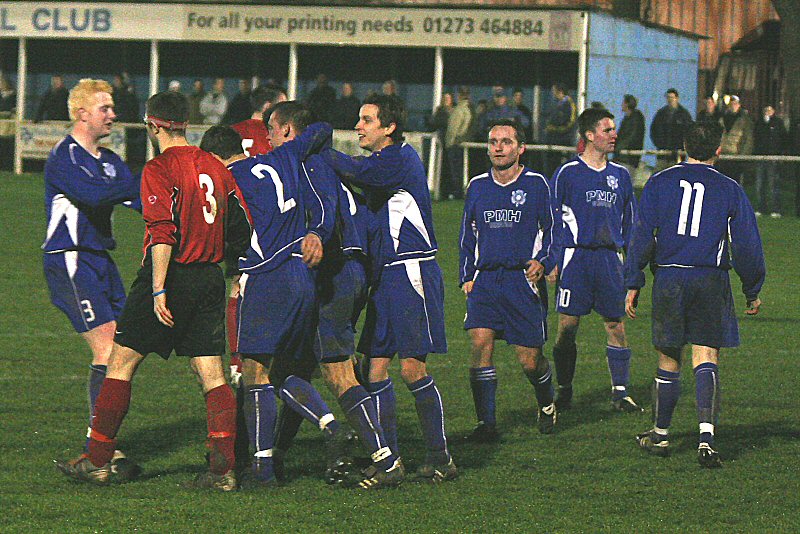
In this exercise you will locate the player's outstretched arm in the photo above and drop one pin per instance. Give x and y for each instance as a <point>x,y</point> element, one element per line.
<point>85,186</point>
<point>384,169</point>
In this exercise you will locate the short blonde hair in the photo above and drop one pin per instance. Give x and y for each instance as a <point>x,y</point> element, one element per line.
<point>82,95</point>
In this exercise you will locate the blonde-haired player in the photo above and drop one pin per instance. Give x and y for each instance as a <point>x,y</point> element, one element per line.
<point>83,182</point>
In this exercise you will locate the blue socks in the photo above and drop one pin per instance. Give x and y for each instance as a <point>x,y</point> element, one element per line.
<point>428,402</point>
<point>97,373</point>
<point>483,382</point>
<point>382,394</point>
<point>542,380</point>
<point>304,399</point>
<point>666,390</point>
<point>261,411</point>
<point>363,415</point>
<point>619,364</point>
<point>707,390</point>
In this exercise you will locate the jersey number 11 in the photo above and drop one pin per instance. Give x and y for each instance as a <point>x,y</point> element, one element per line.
<point>683,218</point>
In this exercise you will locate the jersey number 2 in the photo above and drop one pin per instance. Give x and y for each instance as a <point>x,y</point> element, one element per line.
<point>683,218</point>
<point>284,204</point>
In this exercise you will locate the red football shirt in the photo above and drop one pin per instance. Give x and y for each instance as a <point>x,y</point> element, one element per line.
<point>255,137</point>
<point>185,202</point>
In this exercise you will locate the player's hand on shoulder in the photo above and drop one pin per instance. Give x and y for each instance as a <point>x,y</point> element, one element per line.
<point>312,249</point>
<point>467,287</point>
<point>753,306</point>
<point>631,302</point>
<point>163,314</point>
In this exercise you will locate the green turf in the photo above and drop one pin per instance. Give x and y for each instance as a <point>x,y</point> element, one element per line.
<point>587,477</point>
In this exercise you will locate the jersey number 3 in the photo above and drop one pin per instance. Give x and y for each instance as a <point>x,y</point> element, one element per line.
<point>683,218</point>
<point>284,204</point>
<point>210,211</point>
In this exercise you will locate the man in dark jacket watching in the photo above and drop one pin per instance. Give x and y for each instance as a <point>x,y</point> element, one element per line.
<point>668,128</point>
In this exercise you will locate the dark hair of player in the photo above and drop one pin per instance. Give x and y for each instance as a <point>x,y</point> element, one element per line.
<point>519,131</point>
<point>673,91</point>
<point>294,113</point>
<point>171,108</point>
<point>559,86</point>
<point>223,141</point>
<point>587,121</point>
<point>263,94</point>
<point>630,101</point>
<point>702,140</point>
<point>390,110</point>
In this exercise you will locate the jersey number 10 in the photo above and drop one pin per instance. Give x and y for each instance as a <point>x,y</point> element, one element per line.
<point>683,218</point>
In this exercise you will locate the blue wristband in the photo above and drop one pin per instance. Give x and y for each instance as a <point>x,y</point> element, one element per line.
<point>157,293</point>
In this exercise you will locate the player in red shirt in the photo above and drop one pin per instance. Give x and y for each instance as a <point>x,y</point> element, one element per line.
<point>255,137</point>
<point>177,301</point>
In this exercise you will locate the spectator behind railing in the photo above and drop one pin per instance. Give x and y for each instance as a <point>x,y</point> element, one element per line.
<point>53,106</point>
<point>214,104</point>
<point>668,127</point>
<point>322,99</point>
<point>239,108</point>
<point>345,115</point>
<point>198,93</point>
<point>770,139</point>
<point>459,126</point>
<point>631,133</point>
<point>126,105</point>
<point>8,96</point>
<point>711,113</point>
<point>737,139</point>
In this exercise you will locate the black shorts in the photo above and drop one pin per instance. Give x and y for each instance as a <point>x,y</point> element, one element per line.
<point>196,296</point>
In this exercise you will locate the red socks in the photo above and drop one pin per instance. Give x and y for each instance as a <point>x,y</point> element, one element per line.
<point>221,408</point>
<point>109,411</point>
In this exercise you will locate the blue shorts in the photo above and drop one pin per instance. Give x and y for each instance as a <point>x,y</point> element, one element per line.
<point>591,279</point>
<point>342,294</point>
<point>86,286</point>
<point>405,312</point>
<point>693,306</point>
<point>277,310</point>
<point>504,301</point>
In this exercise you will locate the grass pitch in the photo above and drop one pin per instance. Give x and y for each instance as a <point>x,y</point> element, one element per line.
<point>587,477</point>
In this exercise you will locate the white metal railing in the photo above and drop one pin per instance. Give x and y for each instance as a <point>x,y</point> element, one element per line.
<point>679,155</point>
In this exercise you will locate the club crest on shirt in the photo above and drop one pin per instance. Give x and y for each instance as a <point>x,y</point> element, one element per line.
<point>109,170</point>
<point>518,197</point>
<point>612,181</point>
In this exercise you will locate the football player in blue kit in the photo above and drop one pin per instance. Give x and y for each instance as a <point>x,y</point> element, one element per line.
<point>277,290</point>
<point>594,206</point>
<point>405,311</point>
<point>505,249</point>
<point>83,183</point>
<point>693,224</point>
<point>341,284</point>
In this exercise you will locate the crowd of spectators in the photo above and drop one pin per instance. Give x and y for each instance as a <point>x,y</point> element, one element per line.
<point>459,119</point>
